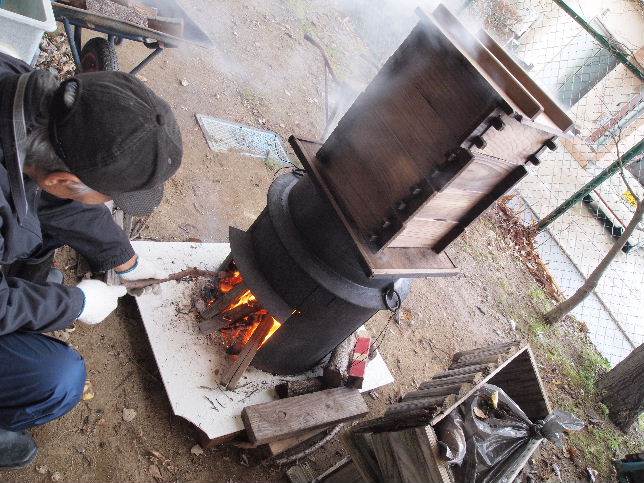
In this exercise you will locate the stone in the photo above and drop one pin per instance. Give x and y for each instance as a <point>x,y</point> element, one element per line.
<point>129,414</point>
<point>197,450</point>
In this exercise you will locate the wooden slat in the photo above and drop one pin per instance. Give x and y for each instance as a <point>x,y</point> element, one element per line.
<point>487,65</point>
<point>438,470</point>
<point>386,460</point>
<point>484,368</point>
<point>478,360</point>
<point>415,458</point>
<point>344,471</point>
<point>359,447</point>
<point>234,372</point>
<point>491,347</point>
<point>421,403</point>
<point>550,108</point>
<point>483,352</point>
<point>279,447</point>
<point>422,232</point>
<point>463,378</point>
<point>432,392</point>
<point>288,417</point>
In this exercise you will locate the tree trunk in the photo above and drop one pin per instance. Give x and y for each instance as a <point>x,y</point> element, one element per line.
<point>622,389</point>
<point>557,313</point>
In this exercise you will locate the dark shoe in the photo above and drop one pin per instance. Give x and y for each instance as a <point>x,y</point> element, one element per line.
<point>55,276</point>
<point>17,449</point>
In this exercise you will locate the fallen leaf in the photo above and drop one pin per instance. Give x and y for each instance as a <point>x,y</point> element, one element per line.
<point>41,469</point>
<point>88,391</point>
<point>495,399</point>
<point>479,413</point>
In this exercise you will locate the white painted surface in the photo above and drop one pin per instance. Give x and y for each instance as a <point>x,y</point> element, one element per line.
<point>189,362</point>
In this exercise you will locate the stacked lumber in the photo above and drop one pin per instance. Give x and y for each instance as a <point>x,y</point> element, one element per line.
<point>278,426</point>
<point>402,446</point>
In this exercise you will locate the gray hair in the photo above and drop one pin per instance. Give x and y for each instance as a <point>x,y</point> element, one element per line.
<point>40,152</point>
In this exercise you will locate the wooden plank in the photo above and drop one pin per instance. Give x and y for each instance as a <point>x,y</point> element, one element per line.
<point>344,471</point>
<point>437,470</point>
<point>491,347</point>
<point>411,262</point>
<point>550,108</point>
<point>485,352</point>
<point>514,143</point>
<point>433,391</point>
<point>422,232</point>
<point>233,373</point>
<point>279,447</point>
<point>478,360</point>
<point>386,460</point>
<point>450,205</point>
<point>415,459</point>
<point>298,387</point>
<point>359,447</point>
<point>484,368</point>
<point>522,382</point>
<point>284,418</point>
<point>421,403</point>
<point>461,378</point>
<point>487,65</point>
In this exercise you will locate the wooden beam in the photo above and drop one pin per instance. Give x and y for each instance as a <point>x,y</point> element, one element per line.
<point>299,387</point>
<point>288,417</point>
<point>234,371</point>
<point>359,447</point>
<point>386,460</point>
<point>279,447</point>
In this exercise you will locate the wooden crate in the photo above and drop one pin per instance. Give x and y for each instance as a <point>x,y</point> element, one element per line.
<point>443,130</point>
<point>382,448</point>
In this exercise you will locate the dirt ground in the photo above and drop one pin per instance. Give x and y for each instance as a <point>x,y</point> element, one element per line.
<point>263,74</point>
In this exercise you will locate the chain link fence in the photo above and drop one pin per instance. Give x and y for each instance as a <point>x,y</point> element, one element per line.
<point>588,55</point>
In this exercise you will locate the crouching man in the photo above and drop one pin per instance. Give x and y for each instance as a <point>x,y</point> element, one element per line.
<point>65,149</point>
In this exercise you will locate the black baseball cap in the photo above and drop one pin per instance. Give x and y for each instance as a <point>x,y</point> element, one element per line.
<point>118,137</point>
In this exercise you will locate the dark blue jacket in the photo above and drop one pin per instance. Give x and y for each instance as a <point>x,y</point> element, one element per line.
<point>33,223</point>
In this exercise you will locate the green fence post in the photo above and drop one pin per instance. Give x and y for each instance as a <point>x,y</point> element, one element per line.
<point>628,157</point>
<point>601,39</point>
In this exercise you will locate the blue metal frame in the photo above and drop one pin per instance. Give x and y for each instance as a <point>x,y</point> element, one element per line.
<point>74,39</point>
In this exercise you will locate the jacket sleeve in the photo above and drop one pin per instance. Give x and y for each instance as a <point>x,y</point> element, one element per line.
<point>26,306</point>
<point>88,229</point>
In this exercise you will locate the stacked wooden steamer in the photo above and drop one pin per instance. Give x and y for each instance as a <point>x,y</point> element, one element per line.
<point>402,444</point>
<point>446,127</point>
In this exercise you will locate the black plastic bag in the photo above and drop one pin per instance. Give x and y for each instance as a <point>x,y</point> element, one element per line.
<point>496,428</point>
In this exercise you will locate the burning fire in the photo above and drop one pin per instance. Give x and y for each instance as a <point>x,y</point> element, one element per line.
<point>243,313</point>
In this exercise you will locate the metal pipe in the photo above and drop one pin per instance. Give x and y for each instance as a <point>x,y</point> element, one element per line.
<point>630,156</point>
<point>147,60</point>
<point>72,43</point>
<point>601,39</point>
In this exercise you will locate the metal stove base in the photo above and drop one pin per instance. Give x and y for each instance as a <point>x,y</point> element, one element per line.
<point>189,362</point>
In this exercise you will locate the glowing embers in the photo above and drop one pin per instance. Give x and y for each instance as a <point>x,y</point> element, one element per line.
<point>232,312</point>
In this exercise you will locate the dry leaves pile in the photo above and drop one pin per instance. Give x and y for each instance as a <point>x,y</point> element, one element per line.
<point>55,55</point>
<point>521,238</point>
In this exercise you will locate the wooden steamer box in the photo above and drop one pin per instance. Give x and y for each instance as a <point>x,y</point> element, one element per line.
<point>445,128</point>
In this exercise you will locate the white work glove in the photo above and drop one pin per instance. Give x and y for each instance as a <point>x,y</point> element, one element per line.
<point>143,269</point>
<point>100,300</point>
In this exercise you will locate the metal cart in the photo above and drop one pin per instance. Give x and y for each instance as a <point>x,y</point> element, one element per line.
<point>100,54</point>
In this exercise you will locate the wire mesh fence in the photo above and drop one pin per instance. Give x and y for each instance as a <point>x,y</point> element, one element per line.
<point>587,55</point>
